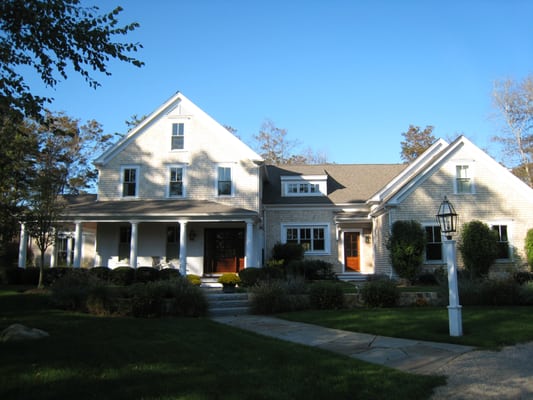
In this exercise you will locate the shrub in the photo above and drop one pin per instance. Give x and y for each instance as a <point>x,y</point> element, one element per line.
<point>269,297</point>
<point>169,274</point>
<point>146,274</point>
<point>526,294</point>
<point>250,276</point>
<point>272,271</point>
<point>70,292</point>
<point>195,280</point>
<point>529,248</point>
<point>145,300</point>
<point>29,276</point>
<point>311,269</point>
<point>102,273</point>
<point>229,279</point>
<point>485,292</point>
<point>101,300</point>
<point>287,252</point>
<point>11,276</point>
<point>427,279</point>
<point>406,246</point>
<point>522,277</point>
<point>326,296</point>
<point>380,293</point>
<point>122,276</point>
<point>479,248</point>
<point>50,275</point>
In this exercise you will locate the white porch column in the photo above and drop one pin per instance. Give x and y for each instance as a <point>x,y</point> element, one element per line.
<point>23,246</point>
<point>249,251</point>
<point>77,245</point>
<point>183,247</point>
<point>133,243</point>
<point>69,251</point>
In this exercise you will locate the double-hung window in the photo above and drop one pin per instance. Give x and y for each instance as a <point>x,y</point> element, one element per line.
<point>312,238</point>
<point>130,181</point>
<point>175,184</point>
<point>463,179</point>
<point>503,241</point>
<point>433,244</point>
<point>178,136</point>
<point>224,183</point>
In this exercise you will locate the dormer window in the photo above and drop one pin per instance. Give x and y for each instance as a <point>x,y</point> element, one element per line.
<point>302,185</point>
<point>178,136</point>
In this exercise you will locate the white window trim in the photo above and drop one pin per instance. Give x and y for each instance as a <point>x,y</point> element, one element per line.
<point>327,235</point>
<point>509,225</point>
<point>185,130</point>
<point>184,181</point>
<point>320,180</point>
<point>471,176</point>
<point>232,190</point>
<point>137,176</point>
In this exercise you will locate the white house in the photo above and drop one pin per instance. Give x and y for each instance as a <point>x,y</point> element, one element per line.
<point>181,190</point>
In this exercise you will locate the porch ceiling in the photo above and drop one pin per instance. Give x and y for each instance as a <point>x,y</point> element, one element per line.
<point>86,207</point>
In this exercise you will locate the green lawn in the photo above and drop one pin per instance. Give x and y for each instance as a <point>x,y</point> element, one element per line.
<point>89,357</point>
<point>485,327</point>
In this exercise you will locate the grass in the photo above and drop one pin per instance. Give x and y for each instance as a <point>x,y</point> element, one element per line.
<point>89,357</point>
<point>484,327</point>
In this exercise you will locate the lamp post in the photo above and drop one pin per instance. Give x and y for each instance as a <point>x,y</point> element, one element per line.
<point>447,219</point>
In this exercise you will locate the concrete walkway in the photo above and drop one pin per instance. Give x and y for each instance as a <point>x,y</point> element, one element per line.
<point>407,355</point>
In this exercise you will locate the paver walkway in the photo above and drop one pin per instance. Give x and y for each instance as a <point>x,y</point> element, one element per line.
<point>407,355</point>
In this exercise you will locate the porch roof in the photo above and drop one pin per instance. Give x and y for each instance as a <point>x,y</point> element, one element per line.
<point>88,208</point>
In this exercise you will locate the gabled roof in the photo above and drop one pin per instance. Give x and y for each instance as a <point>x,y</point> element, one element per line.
<point>347,183</point>
<point>429,162</point>
<point>167,107</point>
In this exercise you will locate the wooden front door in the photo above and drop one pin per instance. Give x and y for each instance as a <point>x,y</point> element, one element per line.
<point>351,252</point>
<point>224,250</point>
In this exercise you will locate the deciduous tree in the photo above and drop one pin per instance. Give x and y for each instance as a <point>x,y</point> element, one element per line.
<point>514,102</point>
<point>416,141</point>
<point>51,37</point>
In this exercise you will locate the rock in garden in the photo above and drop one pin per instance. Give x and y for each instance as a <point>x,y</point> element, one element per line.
<point>20,332</point>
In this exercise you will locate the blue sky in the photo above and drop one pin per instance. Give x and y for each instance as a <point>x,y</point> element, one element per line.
<point>343,77</point>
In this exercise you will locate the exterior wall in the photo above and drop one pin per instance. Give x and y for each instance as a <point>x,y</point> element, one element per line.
<point>380,235</point>
<point>275,218</point>
<point>207,146</point>
<point>499,198</point>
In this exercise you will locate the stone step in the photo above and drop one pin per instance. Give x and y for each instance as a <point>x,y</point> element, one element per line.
<point>227,303</point>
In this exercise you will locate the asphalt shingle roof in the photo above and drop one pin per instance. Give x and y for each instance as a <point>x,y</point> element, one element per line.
<point>347,183</point>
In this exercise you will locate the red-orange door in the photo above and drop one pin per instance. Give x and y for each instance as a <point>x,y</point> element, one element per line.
<point>351,252</point>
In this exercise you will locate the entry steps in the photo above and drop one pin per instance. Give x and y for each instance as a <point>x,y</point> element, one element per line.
<point>226,304</point>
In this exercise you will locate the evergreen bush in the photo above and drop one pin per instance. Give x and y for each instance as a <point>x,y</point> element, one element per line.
<point>146,274</point>
<point>269,297</point>
<point>529,248</point>
<point>250,276</point>
<point>311,269</point>
<point>102,273</point>
<point>287,252</point>
<point>478,245</point>
<point>169,274</point>
<point>406,246</point>
<point>123,276</point>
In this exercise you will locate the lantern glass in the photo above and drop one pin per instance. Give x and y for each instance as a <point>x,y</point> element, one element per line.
<point>447,218</point>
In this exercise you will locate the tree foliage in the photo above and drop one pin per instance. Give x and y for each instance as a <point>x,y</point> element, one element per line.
<point>50,37</point>
<point>514,102</point>
<point>529,247</point>
<point>277,149</point>
<point>416,141</point>
<point>406,248</point>
<point>478,246</point>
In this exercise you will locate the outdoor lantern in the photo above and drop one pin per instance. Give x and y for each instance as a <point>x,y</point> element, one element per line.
<point>447,218</point>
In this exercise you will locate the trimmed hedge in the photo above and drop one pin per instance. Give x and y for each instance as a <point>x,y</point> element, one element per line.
<point>146,274</point>
<point>380,293</point>
<point>250,276</point>
<point>122,276</point>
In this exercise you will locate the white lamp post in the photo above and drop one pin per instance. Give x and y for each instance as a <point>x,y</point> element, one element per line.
<point>447,219</point>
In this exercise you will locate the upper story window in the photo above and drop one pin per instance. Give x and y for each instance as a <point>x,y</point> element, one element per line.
<point>503,241</point>
<point>130,181</point>
<point>433,243</point>
<point>175,184</point>
<point>463,179</point>
<point>178,136</point>
<point>224,183</point>
<point>315,185</point>
<point>314,238</point>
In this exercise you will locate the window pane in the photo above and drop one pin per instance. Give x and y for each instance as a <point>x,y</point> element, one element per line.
<point>177,143</point>
<point>318,239</point>
<point>503,241</point>
<point>434,243</point>
<point>224,181</point>
<point>129,182</point>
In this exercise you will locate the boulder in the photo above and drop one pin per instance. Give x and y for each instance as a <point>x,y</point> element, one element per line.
<point>17,332</point>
